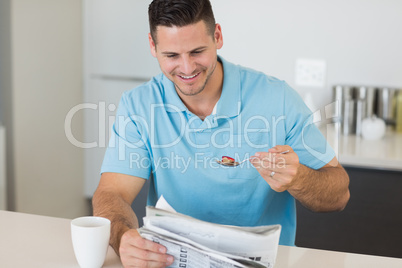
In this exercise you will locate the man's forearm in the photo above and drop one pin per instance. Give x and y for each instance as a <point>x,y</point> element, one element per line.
<point>322,190</point>
<point>112,206</point>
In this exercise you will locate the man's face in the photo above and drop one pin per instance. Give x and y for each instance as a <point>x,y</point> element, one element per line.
<point>187,55</point>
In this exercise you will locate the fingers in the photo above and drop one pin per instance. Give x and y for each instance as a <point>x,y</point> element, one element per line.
<point>136,251</point>
<point>278,170</point>
<point>134,238</point>
<point>273,161</point>
<point>280,149</point>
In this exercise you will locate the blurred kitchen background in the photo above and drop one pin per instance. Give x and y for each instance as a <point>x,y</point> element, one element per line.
<point>65,63</point>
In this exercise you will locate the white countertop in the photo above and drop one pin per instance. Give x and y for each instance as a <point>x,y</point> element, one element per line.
<point>354,151</point>
<point>38,241</point>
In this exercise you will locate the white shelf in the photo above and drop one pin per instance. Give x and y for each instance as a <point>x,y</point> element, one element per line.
<point>354,151</point>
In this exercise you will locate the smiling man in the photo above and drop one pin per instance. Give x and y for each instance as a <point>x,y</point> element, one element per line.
<point>199,109</point>
<point>192,66</point>
<point>187,56</point>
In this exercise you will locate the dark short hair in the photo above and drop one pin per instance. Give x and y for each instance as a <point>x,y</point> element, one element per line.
<point>180,13</point>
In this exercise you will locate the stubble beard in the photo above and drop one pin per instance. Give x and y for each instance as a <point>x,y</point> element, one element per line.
<point>200,89</point>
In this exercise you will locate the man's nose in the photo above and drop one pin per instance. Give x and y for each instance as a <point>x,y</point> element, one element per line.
<point>187,65</point>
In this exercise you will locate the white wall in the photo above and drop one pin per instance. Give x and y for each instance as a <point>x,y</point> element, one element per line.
<point>360,40</point>
<point>47,83</point>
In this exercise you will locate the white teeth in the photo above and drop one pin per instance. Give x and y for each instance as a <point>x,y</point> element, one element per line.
<point>188,77</point>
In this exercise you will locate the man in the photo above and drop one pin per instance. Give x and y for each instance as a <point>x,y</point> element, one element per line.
<point>199,109</point>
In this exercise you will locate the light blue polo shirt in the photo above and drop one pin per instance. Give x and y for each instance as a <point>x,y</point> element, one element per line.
<point>155,132</point>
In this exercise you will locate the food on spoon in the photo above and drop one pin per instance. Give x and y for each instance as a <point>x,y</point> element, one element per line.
<point>227,160</point>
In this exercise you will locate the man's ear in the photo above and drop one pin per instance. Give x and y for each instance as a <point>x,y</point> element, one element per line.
<point>218,36</point>
<point>152,45</point>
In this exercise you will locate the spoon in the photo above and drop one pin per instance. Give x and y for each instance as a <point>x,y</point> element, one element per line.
<point>235,164</point>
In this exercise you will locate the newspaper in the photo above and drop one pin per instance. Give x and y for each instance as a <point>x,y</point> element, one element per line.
<point>198,244</point>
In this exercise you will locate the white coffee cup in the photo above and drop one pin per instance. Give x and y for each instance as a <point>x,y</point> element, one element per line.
<point>90,236</point>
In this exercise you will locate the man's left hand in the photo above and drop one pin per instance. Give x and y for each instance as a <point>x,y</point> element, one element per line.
<point>278,170</point>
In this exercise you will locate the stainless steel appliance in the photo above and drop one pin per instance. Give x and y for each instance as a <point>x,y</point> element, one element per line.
<point>386,104</point>
<point>359,102</point>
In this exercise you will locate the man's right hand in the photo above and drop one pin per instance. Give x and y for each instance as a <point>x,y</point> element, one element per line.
<point>136,251</point>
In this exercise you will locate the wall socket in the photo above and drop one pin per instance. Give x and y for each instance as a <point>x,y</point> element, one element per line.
<point>310,72</point>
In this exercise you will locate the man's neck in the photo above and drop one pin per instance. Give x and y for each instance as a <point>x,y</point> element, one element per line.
<point>203,104</point>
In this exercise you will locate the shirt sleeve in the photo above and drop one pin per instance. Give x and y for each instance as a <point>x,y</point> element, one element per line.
<point>127,152</point>
<point>302,134</point>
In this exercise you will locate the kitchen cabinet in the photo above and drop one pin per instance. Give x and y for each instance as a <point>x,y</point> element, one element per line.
<point>116,39</point>
<point>371,222</point>
<point>116,58</point>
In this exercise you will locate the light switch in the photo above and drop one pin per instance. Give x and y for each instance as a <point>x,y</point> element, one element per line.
<point>310,72</point>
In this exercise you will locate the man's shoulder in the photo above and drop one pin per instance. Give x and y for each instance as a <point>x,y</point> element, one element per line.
<point>138,99</point>
<point>256,84</point>
<point>247,72</point>
<point>249,75</point>
<point>260,83</point>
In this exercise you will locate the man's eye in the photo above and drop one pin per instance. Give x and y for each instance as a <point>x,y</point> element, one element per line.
<point>197,52</point>
<point>171,56</point>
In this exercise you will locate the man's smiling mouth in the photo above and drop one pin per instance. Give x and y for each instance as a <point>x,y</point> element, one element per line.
<point>188,77</point>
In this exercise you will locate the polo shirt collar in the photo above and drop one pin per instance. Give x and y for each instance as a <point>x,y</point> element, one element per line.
<point>172,101</point>
<point>229,103</point>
